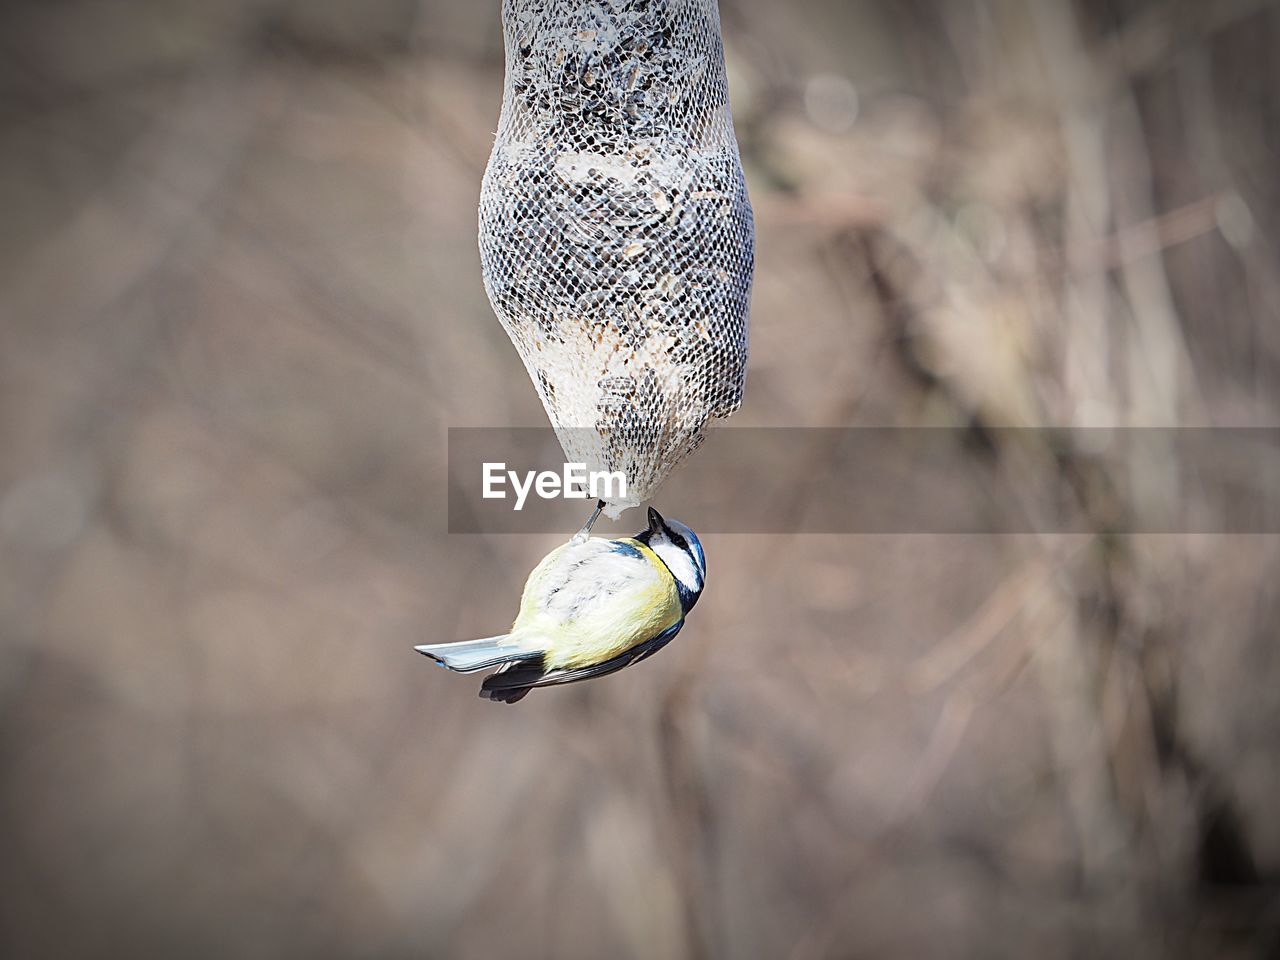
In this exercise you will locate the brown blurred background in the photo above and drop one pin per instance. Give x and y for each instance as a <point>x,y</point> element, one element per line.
<point>241,305</point>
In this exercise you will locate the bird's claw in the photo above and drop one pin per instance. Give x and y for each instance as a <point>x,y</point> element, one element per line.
<point>585,533</point>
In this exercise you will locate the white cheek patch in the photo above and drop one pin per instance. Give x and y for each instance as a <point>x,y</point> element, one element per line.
<point>679,563</point>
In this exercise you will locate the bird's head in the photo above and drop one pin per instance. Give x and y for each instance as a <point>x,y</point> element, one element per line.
<point>679,548</point>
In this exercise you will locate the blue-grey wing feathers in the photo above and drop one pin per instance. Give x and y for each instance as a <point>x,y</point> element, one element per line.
<point>515,680</point>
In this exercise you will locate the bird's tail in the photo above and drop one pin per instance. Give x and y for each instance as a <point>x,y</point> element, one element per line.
<point>468,656</point>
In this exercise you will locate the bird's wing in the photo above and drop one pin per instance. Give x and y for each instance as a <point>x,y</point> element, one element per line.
<point>514,682</point>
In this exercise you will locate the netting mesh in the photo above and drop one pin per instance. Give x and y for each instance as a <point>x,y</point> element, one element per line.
<point>616,236</point>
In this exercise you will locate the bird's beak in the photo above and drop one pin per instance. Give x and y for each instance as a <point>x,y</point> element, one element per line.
<point>656,523</point>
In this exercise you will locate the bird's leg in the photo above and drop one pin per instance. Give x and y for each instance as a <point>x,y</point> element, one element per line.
<point>582,535</point>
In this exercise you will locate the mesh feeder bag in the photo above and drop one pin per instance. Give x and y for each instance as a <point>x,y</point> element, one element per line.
<point>616,236</point>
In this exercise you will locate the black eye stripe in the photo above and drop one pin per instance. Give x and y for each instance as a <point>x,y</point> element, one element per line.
<point>681,543</point>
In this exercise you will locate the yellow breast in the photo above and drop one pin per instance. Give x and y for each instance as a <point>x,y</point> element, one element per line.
<point>586,603</point>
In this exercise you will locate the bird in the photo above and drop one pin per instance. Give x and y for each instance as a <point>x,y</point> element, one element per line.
<point>591,607</point>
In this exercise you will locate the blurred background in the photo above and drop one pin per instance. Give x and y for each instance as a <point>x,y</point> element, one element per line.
<point>241,305</point>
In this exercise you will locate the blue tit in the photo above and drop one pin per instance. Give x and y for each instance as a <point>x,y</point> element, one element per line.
<point>590,608</point>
